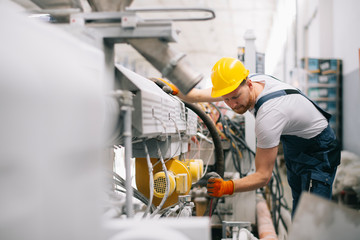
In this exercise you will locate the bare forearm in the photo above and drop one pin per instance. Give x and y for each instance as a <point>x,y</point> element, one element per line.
<point>264,164</point>
<point>250,182</point>
<point>198,95</point>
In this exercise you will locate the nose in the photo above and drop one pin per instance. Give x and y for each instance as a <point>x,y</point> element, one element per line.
<point>232,103</point>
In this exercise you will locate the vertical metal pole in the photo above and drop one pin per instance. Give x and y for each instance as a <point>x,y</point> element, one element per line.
<point>109,73</point>
<point>128,155</point>
<point>125,99</point>
<point>250,63</point>
<point>296,33</point>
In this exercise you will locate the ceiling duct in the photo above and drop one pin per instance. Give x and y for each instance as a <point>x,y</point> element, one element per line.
<point>109,5</point>
<point>171,63</point>
<point>56,4</point>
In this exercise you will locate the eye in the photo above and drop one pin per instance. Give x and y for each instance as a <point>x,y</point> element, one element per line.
<point>235,97</point>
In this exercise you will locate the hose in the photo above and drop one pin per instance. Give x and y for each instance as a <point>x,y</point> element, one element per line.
<point>219,155</point>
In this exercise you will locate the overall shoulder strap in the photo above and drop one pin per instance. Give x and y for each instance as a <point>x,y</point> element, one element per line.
<point>284,92</point>
<point>258,74</point>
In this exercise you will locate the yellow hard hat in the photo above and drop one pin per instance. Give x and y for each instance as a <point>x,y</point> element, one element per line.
<point>226,75</point>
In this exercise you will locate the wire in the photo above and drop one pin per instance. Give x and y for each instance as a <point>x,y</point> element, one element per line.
<point>163,212</point>
<point>196,153</point>
<point>238,145</point>
<point>119,190</point>
<point>180,139</point>
<point>219,154</point>
<point>151,175</point>
<point>218,214</point>
<point>167,183</point>
<point>276,191</point>
<point>233,145</point>
<point>238,149</point>
<point>119,181</point>
<point>226,128</point>
<point>208,161</point>
<point>166,134</point>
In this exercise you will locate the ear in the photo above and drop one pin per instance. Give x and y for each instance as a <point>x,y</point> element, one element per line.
<point>249,83</point>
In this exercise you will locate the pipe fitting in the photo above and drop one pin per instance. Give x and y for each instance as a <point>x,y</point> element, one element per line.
<point>171,63</point>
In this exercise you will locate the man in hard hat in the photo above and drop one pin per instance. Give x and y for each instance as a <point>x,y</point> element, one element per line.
<point>282,113</point>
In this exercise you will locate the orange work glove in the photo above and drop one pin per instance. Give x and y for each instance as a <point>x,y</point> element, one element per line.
<point>169,87</point>
<point>217,187</point>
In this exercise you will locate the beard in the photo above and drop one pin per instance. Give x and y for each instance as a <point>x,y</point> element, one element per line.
<point>242,109</point>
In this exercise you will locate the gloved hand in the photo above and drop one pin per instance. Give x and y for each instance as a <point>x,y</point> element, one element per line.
<point>217,187</point>
<point>165,86</point>
<point>202,182</point>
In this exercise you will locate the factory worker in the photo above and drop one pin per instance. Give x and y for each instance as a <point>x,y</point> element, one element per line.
<point>282,113</point>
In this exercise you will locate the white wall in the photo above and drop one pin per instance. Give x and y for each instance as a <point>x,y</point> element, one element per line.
<point>346,33</point>
<point>346,38</point>
<point>285,15</point>
<point>311,30</point>
<point>325,29</point>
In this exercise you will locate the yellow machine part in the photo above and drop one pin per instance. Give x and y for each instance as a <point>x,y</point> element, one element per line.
<point>196,167</point>
<point>160,184</point>
<point>176,167</point>
<point>201,165</point>
<point>182,183</point>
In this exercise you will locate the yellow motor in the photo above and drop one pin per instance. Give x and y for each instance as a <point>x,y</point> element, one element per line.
<point>181,175</point>
<point>180,180</point>
<point>160,184</point>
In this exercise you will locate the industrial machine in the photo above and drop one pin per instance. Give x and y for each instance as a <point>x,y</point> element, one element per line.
<point>95,150</point>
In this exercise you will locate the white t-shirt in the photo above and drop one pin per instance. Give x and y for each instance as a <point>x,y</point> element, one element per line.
<point>286,115</point>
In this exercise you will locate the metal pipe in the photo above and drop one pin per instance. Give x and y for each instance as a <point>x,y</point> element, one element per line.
<point>171,63</point>
<point>265,225</point>
<point>128,155</point>
<point>296,33</point>
<point>125,101</point>
<point>250,63</point>
<point>176,9</point>
<point>126,107</point>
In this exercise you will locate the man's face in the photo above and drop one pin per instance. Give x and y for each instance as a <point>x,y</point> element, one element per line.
<point>241,99</point>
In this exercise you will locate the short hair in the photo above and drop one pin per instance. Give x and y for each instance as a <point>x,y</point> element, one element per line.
<point>243,82</point>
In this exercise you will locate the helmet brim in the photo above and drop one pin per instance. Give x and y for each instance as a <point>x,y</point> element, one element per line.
<point>224,91</point>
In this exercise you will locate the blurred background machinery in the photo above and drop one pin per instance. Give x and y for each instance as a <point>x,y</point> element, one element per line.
<point>94,149</point>
<point>137,155</point>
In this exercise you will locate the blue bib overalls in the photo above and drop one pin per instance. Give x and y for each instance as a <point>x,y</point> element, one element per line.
<point>311,163</point>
